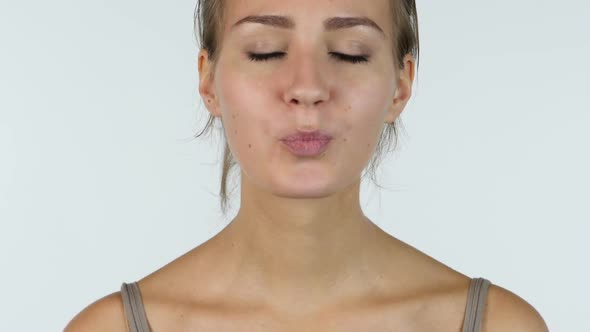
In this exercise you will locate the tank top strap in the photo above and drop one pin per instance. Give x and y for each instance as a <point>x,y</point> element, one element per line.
<point>134,309</point>
<point>476,300</point>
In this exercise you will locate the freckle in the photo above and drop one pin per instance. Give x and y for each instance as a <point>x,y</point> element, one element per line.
<point>250,146</point>
<point>346,140</point>
<point>235,132</point>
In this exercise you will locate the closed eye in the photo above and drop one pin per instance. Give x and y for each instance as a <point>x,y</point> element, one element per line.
<point>339,56</point>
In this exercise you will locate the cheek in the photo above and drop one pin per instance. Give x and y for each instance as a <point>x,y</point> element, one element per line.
<point>365,118</point>
<point>245,117</point>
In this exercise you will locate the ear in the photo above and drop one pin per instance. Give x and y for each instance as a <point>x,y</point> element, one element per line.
<point>404,89</point>
<point>206,84</point>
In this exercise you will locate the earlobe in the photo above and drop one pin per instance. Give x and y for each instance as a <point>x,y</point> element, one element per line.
<point>393,112</point>
<point>211,105</point>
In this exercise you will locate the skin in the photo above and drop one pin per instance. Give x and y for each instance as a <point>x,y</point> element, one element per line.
<point>300,225</point>
<point>300,254</point>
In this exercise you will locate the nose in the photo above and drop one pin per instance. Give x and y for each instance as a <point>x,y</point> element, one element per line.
<point>307,86</point>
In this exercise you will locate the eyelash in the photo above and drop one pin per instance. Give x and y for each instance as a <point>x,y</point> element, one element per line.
<point>339,56</point>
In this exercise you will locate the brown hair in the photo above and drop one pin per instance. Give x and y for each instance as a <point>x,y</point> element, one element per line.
<point>209,19</point>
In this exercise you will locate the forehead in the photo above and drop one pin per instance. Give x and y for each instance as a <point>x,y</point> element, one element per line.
<point>306,12</point>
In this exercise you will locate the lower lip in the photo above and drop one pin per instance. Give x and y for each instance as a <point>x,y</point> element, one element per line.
<point>307,148</point>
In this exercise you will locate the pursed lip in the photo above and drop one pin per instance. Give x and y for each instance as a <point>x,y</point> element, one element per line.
<point>307,136</point>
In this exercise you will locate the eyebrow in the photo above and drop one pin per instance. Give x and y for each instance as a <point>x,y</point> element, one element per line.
<point>330,24</point>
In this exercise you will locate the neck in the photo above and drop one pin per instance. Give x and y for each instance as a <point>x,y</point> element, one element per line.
<point>302,248</point>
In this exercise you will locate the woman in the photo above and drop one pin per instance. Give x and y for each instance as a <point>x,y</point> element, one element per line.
<point>308,92</point>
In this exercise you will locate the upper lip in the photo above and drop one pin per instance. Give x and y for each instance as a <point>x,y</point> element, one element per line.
<point>307,135</point>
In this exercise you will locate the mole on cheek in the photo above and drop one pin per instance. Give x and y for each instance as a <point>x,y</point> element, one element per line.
<point>249,146</point>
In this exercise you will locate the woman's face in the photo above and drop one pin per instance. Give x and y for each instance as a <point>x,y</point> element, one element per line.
<point>329,74</point>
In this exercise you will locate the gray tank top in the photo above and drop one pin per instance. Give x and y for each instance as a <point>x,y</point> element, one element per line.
<point>476,299</point>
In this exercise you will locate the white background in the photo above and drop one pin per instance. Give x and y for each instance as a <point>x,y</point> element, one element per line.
<point>100,182</point>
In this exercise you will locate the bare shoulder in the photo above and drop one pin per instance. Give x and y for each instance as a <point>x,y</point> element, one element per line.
<point>506,311</point>
<point>105,314</point>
